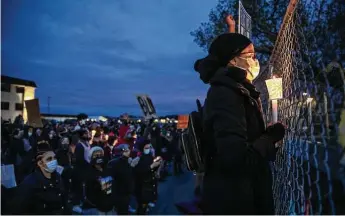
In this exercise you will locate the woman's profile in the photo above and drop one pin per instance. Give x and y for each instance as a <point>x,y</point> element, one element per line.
<point>237,178</point>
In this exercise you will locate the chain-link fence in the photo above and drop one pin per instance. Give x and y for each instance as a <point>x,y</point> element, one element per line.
<point>308,173</point>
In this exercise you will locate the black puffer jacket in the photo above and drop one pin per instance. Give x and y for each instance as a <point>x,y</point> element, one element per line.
<point>96,189</point>
<point>146,183</point>
<point>39,195</point>
<point>123,177</point>
<point>237,179</point>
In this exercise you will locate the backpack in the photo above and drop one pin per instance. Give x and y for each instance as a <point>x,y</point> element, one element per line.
<point>194,140</point>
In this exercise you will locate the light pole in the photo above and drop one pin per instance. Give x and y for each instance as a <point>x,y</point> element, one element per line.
<point>49,104</point>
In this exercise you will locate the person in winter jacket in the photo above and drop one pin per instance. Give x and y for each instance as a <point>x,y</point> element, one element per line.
<point>96,186</point>
<point>123,178</point>
<point>122,132</point>
<point>62,153</point>
<point>53,140</point>
<point>146,183</point>
<point>82,149</point>
<point>238,179</point>
<point>64,157</point>
<point>21,154</point>
<point>41,192</point>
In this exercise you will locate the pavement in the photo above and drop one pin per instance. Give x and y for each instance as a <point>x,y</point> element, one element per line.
<point>175,189</point>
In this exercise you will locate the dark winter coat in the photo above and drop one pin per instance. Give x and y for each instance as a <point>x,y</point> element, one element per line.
<point>63,157</point>
<point>123,178</point>
<point>96,189</point>
<point>237,179</point>
<point>40,195</point>
<point>146,182</point>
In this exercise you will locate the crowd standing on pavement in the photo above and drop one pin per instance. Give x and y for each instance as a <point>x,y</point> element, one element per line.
<point>87,167</point>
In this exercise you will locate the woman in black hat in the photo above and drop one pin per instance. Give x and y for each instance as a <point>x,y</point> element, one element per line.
<point>238,179</point>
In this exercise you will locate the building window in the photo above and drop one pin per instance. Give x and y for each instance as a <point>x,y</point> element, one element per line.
<point>5,105</point>
<point>20,90</point>
<point>19,107</point>
<point>5,87</point>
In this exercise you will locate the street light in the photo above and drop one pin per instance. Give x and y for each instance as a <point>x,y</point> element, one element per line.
<point>275,92</point>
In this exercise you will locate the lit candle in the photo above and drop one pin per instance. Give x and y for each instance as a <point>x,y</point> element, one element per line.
<point>275,92</point>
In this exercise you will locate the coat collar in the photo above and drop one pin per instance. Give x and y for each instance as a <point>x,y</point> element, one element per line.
<point>235,78</point>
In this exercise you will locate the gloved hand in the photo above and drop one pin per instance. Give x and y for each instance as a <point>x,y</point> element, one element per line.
<point>155,164</point>
<point>135,161</point>
<point>265,145</point>
<point>276,131</point>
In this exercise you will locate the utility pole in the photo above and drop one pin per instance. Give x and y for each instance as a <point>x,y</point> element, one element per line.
<point>49,104</point>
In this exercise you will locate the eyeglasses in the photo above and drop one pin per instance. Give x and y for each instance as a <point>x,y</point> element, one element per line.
<point>248,55</point>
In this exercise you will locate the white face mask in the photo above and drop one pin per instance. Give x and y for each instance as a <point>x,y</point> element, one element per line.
<point>147,151</point>
<point>252,66</point>
<point>30,134</point>
<point>51,166</point>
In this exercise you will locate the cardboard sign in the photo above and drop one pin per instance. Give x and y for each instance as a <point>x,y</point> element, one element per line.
<point>8,179</point>
<point>34,115</point>
<point>182,121</point>
<point>146,106</point>
<point>244,21</point>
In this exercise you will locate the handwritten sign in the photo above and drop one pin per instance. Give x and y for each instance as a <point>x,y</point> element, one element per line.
<point>146,106</point>
<point>244,21</point>
<point>275,88</point>
<point>182,121</point>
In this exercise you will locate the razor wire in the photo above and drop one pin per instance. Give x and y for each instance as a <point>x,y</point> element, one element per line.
<point>308,174</point>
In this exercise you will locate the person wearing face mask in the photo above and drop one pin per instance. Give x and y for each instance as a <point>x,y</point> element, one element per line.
<point>237,179</point>
<point>145,171</point>
<point>96,188</point>
<point>53,140</point>
<point>20,154</point>
<point>62,154</point>
<point>64,158</point>
<point>123,180</point>
<point>42,191</point>
<point>29,135</point>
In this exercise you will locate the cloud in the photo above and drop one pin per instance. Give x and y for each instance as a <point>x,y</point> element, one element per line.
<point>96,55</point>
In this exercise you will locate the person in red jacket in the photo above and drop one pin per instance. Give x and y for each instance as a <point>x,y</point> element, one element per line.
<point>122,132</point>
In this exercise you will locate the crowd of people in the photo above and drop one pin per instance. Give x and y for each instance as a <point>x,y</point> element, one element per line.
<point>87,167</point>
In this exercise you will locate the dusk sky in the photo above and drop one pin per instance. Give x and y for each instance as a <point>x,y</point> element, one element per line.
<point>94,56</point>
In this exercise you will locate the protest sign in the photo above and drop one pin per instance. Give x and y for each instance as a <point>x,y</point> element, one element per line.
<point>182,121</point>
<point>244,21</point>
<point>34,115</point>
<point>146,106</point>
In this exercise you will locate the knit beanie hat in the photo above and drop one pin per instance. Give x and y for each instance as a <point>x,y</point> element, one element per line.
<point>119,149</point>
<point>224,48</point>
<point>43,148</point>
<point>141,142</point>
<point>94,149</point>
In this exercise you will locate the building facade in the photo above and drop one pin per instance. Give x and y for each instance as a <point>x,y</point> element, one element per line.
<point>14,92</point>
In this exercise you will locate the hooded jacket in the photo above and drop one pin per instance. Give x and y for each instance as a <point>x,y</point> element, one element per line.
<point>238,179</point>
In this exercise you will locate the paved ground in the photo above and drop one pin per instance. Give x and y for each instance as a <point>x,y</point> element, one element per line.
<point>174,189</point>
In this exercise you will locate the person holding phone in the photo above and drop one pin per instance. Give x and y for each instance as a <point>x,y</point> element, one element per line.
<point>146,182</point>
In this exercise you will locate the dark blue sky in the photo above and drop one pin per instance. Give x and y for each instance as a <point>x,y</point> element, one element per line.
<point>93,56</point>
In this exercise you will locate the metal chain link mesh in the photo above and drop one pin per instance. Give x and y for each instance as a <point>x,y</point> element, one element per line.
<point>308,175</point>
